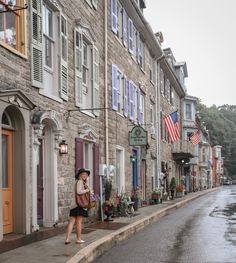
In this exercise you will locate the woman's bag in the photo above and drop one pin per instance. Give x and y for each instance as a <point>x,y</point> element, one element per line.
<point>83,200</point>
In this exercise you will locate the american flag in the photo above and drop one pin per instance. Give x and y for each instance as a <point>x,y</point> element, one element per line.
<point>172,125</point>
<point>196,137</point>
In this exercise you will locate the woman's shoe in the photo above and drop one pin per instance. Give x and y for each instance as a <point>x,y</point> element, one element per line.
<point>67,242</point>
<point>80,241</point>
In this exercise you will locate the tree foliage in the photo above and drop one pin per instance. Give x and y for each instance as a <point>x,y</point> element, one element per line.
<point>221,124</point>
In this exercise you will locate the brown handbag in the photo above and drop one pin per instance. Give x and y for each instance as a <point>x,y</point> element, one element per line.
<point>83,200</point>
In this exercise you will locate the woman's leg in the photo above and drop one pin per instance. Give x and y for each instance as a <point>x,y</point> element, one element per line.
<point>78,228</point>
<point>70,228</point>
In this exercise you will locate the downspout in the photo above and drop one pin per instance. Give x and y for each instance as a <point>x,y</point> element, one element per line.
<point>106,109</point>
<point>158,126</point>
<point>106,87</point>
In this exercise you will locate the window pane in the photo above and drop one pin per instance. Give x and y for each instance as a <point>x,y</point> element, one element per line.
<point>48,52</point>
<point>4,162</point>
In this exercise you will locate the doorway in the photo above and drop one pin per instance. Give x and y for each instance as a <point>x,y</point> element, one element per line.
<point>7,194</point>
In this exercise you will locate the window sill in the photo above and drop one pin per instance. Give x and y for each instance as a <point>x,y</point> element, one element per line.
<point>88,113</point>
<point>50,96</point>
<point>14,51</point>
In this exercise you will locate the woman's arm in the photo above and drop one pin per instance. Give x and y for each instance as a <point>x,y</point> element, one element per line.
<point>80,188</point>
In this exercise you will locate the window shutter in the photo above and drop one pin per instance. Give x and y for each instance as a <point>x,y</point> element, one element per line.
<point>96,178</point>
<point>79,154</point>
<point>125,96</point>
<point>114,88</point>
<point>64,58</point>
<point>131,35</point>
<point>95,4</point>
<point>78,50</point>
<point>138,48</point>
<point>131,100</point>
<point>96,97</point>
<point>36,44</point>
<point>139,104</point>
<point>114,16</point>
<point>124,31</point>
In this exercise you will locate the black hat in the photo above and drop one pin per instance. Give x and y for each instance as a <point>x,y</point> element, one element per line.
<point>80,171</point>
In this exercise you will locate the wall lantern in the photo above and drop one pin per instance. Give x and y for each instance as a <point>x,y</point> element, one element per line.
<point>63,147</point>
<point>132,158</point>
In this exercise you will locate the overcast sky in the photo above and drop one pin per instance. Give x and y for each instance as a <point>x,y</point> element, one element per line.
<point>202,33</point>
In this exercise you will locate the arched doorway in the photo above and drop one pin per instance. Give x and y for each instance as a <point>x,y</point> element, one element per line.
<point>12,171</point>
<point>47,135</point>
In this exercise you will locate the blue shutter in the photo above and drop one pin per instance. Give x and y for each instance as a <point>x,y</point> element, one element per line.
<point>131,36</point>
<point>114,16</point>
<point>114,88</point>
<point>131,100</point>
<point>124,31</point>
<point>125,96</point>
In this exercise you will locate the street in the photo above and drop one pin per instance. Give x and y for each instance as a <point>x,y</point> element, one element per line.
<point>202,231</point>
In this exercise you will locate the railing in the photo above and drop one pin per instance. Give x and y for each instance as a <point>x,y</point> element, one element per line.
<point>183,147</point>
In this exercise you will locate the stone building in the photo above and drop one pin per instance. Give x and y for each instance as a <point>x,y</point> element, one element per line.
<point>171,92</point>
<point>51,86</point>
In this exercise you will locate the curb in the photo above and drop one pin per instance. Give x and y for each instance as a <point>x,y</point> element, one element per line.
<point>102,245</point>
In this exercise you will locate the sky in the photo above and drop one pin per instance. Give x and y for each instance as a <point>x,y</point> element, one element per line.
<point>203,34</point>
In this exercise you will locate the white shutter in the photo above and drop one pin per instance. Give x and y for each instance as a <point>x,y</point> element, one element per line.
<point>96,81</point>
<point>36,44</point>
<point>78,49</point>
<point>64,58</point>
<point>95,5</point>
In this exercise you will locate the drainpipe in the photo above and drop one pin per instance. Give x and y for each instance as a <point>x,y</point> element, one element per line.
<point>106,106</point>
<point>158,126</point>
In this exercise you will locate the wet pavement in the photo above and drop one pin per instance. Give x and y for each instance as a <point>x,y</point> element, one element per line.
<point>203,231</point>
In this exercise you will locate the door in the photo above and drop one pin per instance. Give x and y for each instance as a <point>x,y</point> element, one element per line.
<point>40,185</point>
<point>143,176</point>
<point>135,170</point>
<point>7,181</point>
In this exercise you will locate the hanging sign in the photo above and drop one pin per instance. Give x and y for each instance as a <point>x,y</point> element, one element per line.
<point>138,136</point>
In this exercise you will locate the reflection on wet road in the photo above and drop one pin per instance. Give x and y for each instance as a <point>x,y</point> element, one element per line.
<point>204,231</point>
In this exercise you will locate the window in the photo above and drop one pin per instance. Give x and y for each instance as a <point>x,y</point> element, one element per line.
<point>86,72</point>
<point>119,20</point>
<point>140,106</point>
<point>204,155</point>
<point>12,26</point>
<point>152,69</point>
<point>49,61</point>
<point>120,171</point>
<point>162,82</point>
<point>92,3</point>
<point>48,36</point>
<point>140,51</point>
<point>88,160</point>
<point>120,92</point>
<point>188,111</point>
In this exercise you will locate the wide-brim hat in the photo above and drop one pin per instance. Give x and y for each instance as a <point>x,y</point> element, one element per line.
<point>82,170</point>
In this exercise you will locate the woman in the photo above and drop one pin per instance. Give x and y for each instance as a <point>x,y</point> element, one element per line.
<point>76,212</point>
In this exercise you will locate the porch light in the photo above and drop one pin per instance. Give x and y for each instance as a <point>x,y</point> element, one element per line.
<point>132,158</point>
<point>63,147</point>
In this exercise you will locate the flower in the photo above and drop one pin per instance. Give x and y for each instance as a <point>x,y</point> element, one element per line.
<point>179,188</point>
<point>95,198</point>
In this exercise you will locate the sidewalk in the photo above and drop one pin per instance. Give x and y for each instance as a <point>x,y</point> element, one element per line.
<point>97,240</point>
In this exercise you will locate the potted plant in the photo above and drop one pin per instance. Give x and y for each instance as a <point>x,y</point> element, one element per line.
<point>179,190</point>
<point>135,198</point>
<point>108,205</point>
<point>156,195</point>
<point>172,187</point>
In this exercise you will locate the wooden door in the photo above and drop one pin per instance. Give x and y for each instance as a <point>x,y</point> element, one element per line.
<point>7,181</point>
<point>40,185</point>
